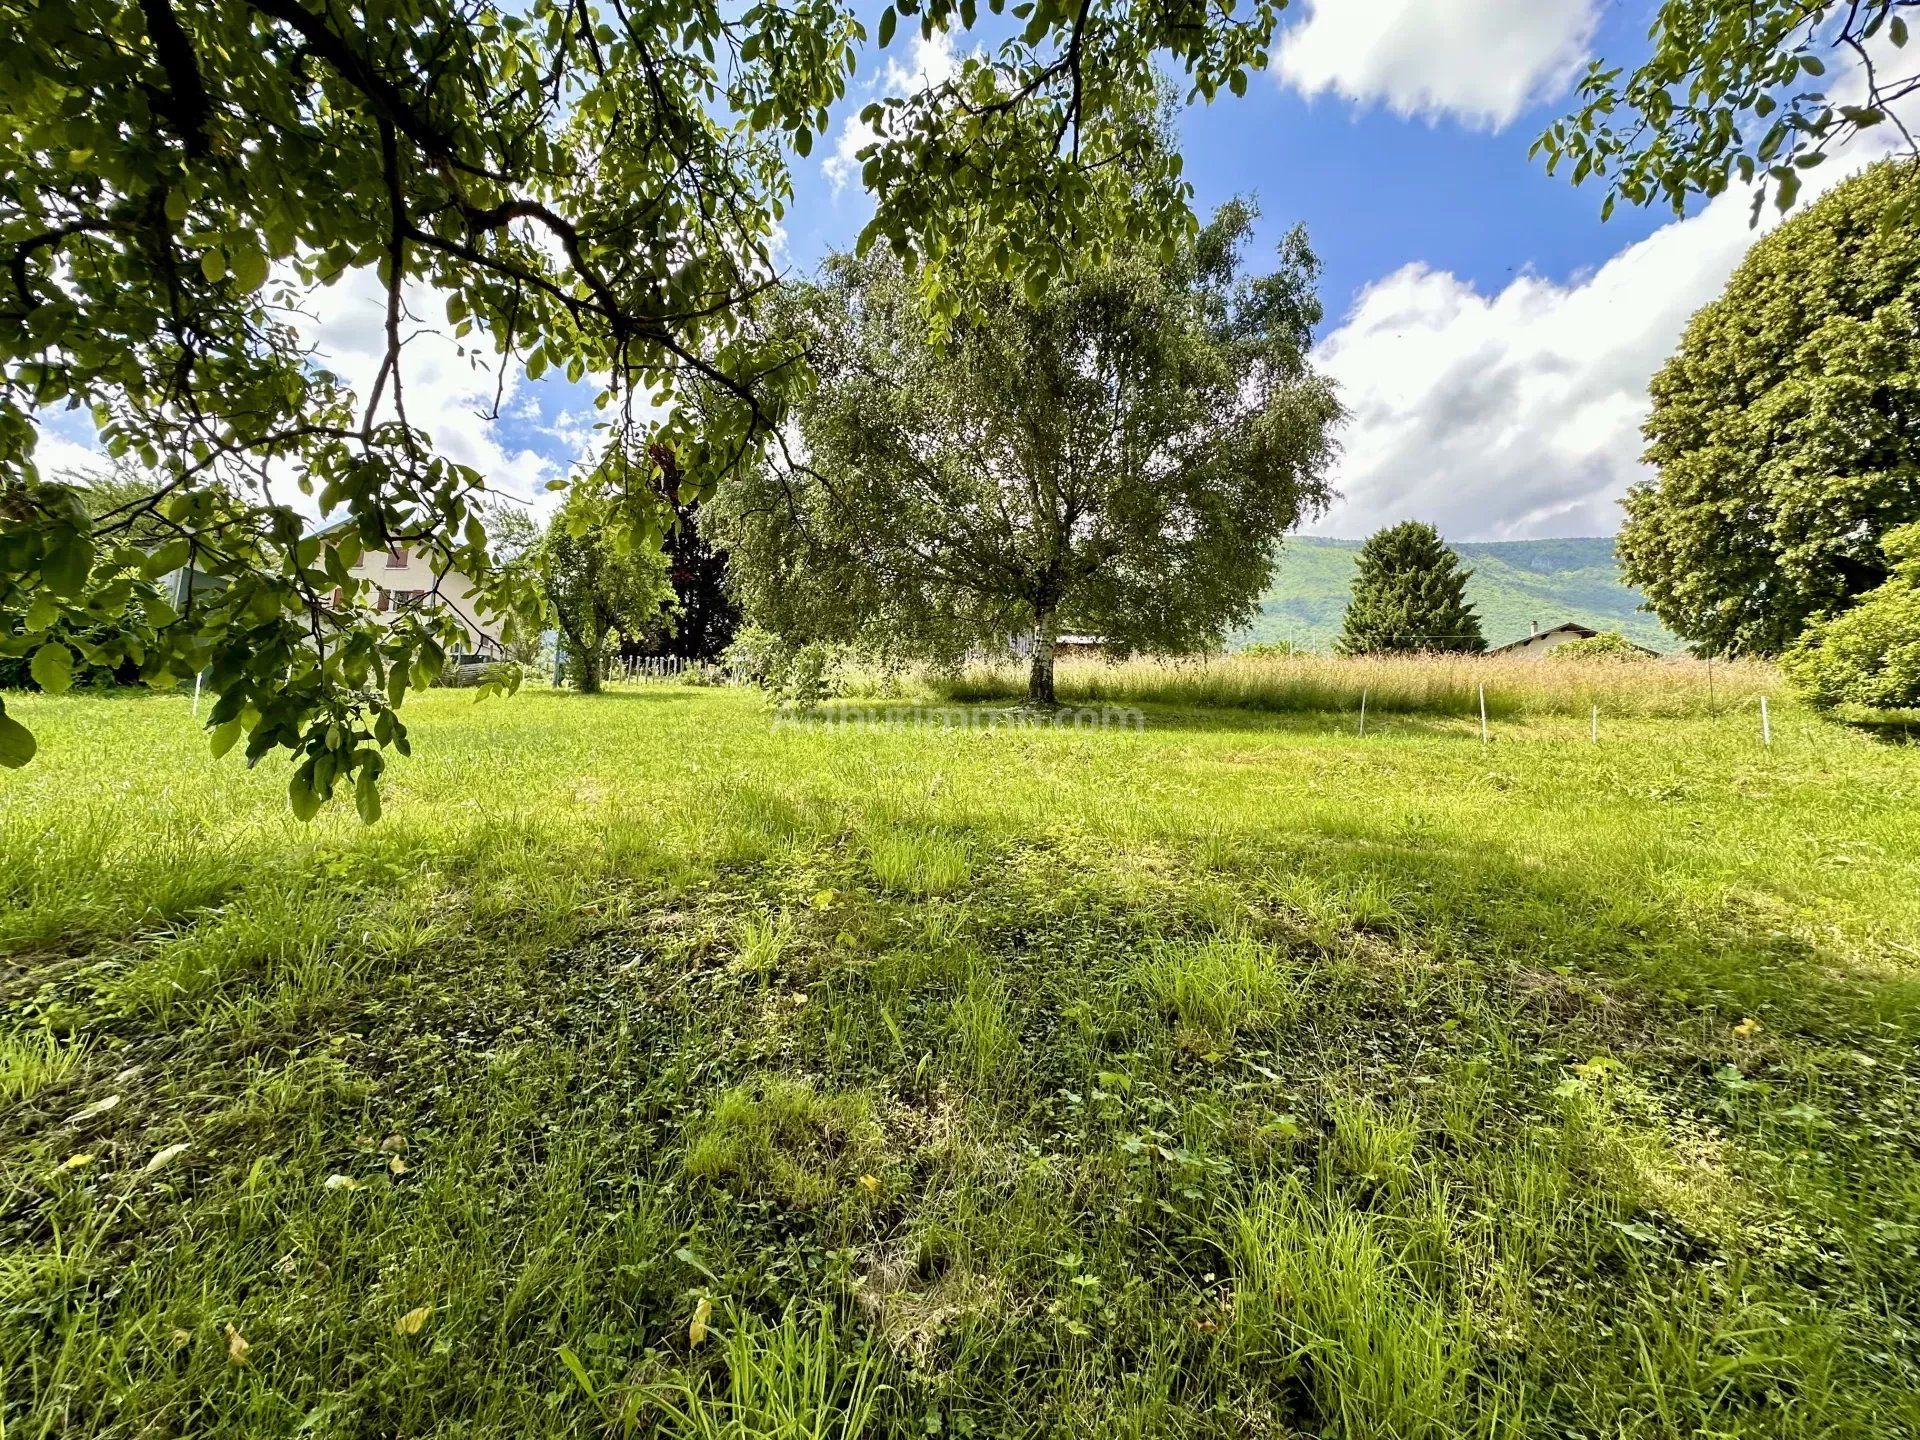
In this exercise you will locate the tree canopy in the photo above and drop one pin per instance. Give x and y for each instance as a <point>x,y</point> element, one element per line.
<point>601,586</point>
<point>1409,595</point>
<point>1737,90</point>
<point>1119,455</point>
<point>1870,655</point>
<point>568,187</point>
<point>1785,430</point>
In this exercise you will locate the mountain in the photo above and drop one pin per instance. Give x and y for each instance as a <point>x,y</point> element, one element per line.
<point>1514,583</point>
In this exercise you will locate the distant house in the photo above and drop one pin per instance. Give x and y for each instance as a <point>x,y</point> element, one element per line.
<point>1065,647</point>
<point>403,579</point>
<point>1087,647</point>
<point>1542,642</point>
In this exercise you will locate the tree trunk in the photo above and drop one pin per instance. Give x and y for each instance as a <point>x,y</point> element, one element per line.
<point>588,666</point>
<point>1046,627</point>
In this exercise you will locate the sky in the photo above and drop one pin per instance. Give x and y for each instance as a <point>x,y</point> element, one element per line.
<point>1492,337</point>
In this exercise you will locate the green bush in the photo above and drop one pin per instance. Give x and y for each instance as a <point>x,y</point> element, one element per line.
<point>1607,645</point>
<point>1868,655</point>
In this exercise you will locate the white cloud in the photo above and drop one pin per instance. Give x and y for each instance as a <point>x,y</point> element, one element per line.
<point>448,395</point>
<point>1517,414</point>
<point>1481,61</point>
<point>61,456</point>
<point>931,62</point>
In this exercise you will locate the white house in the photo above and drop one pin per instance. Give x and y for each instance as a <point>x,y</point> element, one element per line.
<point>403,579</point>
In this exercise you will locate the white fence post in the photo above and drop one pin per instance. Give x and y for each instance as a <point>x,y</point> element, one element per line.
<point>1483,714</point>
<point>1766,725</point>
<point>1594,726</point>
<point>1363,712</point>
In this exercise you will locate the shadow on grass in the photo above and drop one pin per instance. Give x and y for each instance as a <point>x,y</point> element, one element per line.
<point>1488,902</point>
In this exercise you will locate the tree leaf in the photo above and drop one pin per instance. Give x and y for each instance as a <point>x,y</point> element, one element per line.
<point>16,741</point>
<point>52,668</point>
<point>412,1322</point>
<point>302,796</point>
<point>163,1158</point>
<point>67,563</point>
<point>221,739</point>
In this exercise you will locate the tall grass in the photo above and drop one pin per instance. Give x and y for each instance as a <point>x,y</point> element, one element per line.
<point>1393,684</point>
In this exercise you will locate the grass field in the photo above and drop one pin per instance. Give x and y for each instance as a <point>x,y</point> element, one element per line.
<point>653,1070</point>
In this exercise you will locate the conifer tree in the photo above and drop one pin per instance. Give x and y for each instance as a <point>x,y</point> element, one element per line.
<point>1409,594</point>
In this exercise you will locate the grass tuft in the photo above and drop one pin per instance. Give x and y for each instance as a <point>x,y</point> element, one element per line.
<point>783,1139</point>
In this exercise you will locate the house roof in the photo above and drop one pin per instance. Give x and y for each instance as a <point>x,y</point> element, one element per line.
<point>1569,627</point>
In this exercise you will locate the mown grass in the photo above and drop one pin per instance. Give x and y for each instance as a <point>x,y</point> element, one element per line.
<point>653,1070</point>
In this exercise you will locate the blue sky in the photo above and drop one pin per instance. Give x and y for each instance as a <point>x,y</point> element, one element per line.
<point>1492,338</point>
<point>1376,189</point>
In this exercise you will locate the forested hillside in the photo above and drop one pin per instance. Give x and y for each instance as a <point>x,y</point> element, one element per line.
<point>1514,582</point>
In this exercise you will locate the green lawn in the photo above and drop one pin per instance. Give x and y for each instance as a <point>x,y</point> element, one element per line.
<point>1235,1077</point>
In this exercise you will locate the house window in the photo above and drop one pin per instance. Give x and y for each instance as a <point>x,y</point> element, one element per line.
<point>397,557</point>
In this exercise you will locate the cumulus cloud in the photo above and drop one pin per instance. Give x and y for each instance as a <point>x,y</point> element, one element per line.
<point>1481,61</point>
<point>449,395</point>
<point>1517,414</point>
<point>930,62</point>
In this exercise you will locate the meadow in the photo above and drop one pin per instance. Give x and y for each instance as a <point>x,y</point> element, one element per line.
<point>654,1069</point>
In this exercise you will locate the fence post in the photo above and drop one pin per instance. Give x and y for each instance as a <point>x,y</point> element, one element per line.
<point>1594,729</point>
<point>1363,711</point>
<point>1483,714</point>
<point>1766,725</point>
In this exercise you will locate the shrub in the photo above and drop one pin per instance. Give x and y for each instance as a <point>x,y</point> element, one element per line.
<point>1607,645</point>
<point>1868,655</point>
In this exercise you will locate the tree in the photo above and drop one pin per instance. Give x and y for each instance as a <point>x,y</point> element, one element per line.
<point>705,616</point>
<point>1409,596</point>
<point>588,190</point>
<point>1785,430</point>
<point>600,585</point>
<point>1120,454</point>
<point>87,650</point>
<point>1736,89</point>
<point>1870,655</point>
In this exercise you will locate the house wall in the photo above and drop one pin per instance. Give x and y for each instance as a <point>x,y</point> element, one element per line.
<point>403,575</point>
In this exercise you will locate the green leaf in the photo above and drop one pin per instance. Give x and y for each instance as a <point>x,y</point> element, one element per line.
<point>213,265</point>
<point>67,563</point>
<point>366,794</point>
<point>52,668</point>
<point>16,741</point>
<point>223,737</point>
<point>249,267</point>
<point>301,794</point>
<point>889,21</point>
<point>167,558</point>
